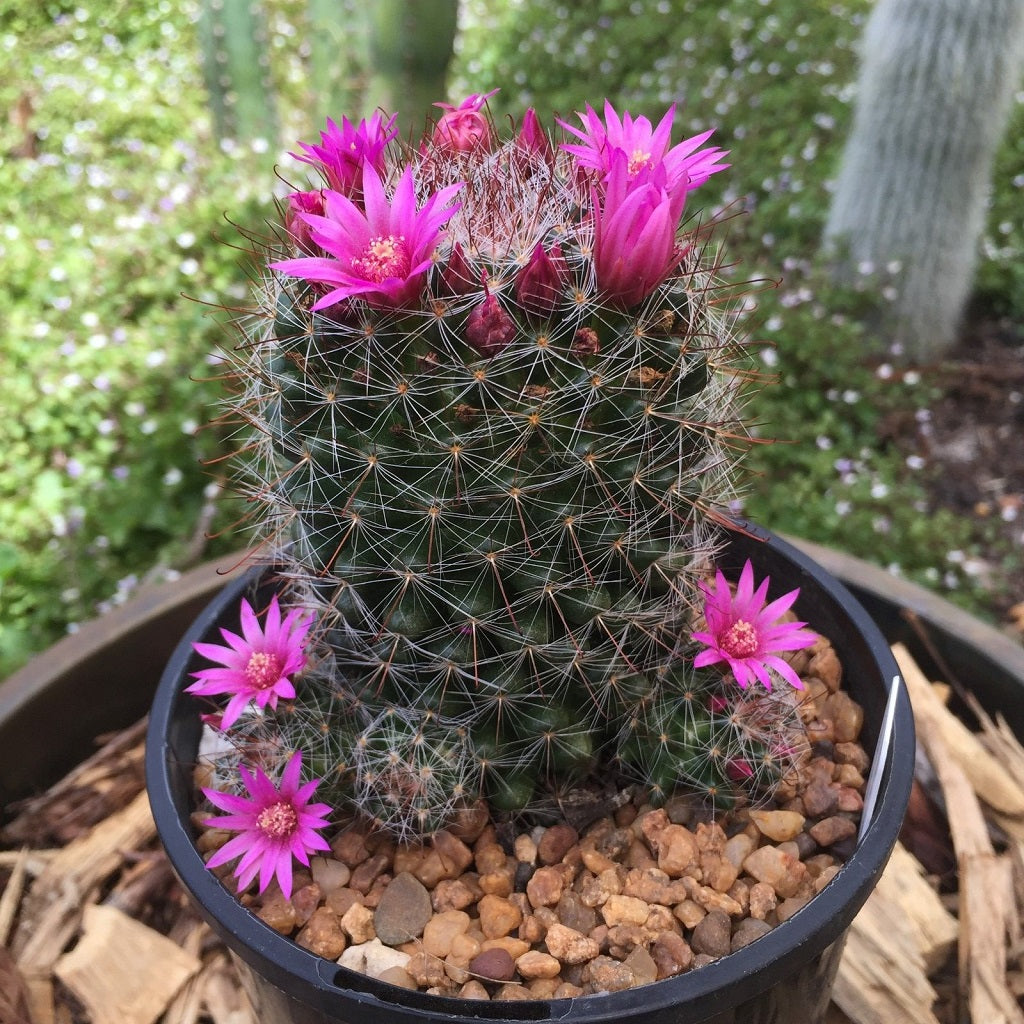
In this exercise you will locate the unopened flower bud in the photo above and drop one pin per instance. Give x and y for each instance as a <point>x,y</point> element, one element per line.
<point>457,277</point>
<point>462,131</point>
<point>539,283</point>
<point>298,204</point>
<point>532,139</point>
<point>489,328</point>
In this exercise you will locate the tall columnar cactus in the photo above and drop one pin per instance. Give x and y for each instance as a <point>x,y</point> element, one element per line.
<point>236,69</point>
<point>935,88</point>
<point>410,47</point>
<point>489,408</point>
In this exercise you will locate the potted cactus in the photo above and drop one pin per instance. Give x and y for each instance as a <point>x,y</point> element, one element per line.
<point>488,411</point>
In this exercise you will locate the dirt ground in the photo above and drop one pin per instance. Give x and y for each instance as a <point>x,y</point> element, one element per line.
<point>973,447</point>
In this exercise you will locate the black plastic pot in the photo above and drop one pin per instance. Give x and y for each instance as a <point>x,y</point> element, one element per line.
<point>785,976</point>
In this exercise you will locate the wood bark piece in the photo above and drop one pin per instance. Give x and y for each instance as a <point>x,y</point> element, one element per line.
<point>56,896</point>
<point>122,970</point>
<point>986,889</point>
<point>883,976</point>
<point>11,897</point>
<point>987,775</point>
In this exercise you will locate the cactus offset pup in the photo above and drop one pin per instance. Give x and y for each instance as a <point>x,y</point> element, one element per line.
<point>488,415</point>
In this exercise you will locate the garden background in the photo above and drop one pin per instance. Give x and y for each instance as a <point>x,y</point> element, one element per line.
<point>119,191</point>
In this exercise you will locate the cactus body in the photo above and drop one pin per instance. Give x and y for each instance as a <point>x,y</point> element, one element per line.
<point>499,509</point>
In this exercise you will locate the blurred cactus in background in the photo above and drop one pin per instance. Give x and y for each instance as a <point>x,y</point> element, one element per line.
<point>389,54</point>
<point>935,90</point>
<point>488,426</point>
<point>236,69</point>
<point>410,47</point>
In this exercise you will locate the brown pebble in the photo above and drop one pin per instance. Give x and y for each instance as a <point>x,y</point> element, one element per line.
<point>454,894</point>
<point>339,900</point>
<point>498,916</point>
<point>574,913</point>
<point>397,976</point>
<point>677,851</point>
<point>618,909</point>
<point>367,872</point>
<point>441,929</point>
<point>305,901</point>
<point>642,966</point>
<point>510,992</point>
<point>713,936</point>
<point>403,911</point>
<point>832,830</point>
<point>322,935</point>
<point>747,931</point>
<point>474,989</point>
<point>545,886</point>
<point>569,946</point>
<point>853,754</point>
<point>779,826</point>
<point>469,822</point>
<point>672,955</point>
<point>357,923</point>
<point>350,847</point>
<point>277,912</point>
<point>493,965</point>
<point>535,964</point>
<point>608,975</point>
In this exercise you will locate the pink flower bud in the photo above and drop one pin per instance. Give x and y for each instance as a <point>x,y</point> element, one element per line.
<point>532,138</point>
<point>489,328</point>
<point>464,128</point>
<point>539,283</point>
<point>457,277</point>
<point>298,228</point>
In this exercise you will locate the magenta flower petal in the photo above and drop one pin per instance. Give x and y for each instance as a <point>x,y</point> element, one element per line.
<point>743,631</point>
<point>345,152</point>
<point>257,666</point>
<point>275,824</point>
<point>381,253</point>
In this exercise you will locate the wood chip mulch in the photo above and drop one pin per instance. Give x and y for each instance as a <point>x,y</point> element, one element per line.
<point>94,927</point>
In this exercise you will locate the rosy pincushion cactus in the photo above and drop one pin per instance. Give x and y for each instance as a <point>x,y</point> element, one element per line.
<point>490,404</point>
<point>275,824</point>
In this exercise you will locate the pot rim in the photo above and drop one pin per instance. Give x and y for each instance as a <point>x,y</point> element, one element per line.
<point>822,921</point>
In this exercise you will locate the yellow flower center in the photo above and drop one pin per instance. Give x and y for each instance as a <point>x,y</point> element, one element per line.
<point>278,820</point>
<point>384,257</point>
<point>740,639</point>
<point>638,160</point>
<point>263,670</point>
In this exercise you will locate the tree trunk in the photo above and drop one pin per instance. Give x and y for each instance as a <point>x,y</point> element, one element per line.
<point>936,83</point>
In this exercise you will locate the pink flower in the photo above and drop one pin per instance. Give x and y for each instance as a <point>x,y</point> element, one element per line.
<point>645,147</point>
<point>257,665</point>
<point>463,128</point>
<point>381,254</point>
<point>746,633</point>
<point>344,152</point>
<point>275,825</point>
<point>634,233</point>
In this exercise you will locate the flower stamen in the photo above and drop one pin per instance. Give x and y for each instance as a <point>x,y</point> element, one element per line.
<point>278,820</point>
<point>262,670</point>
